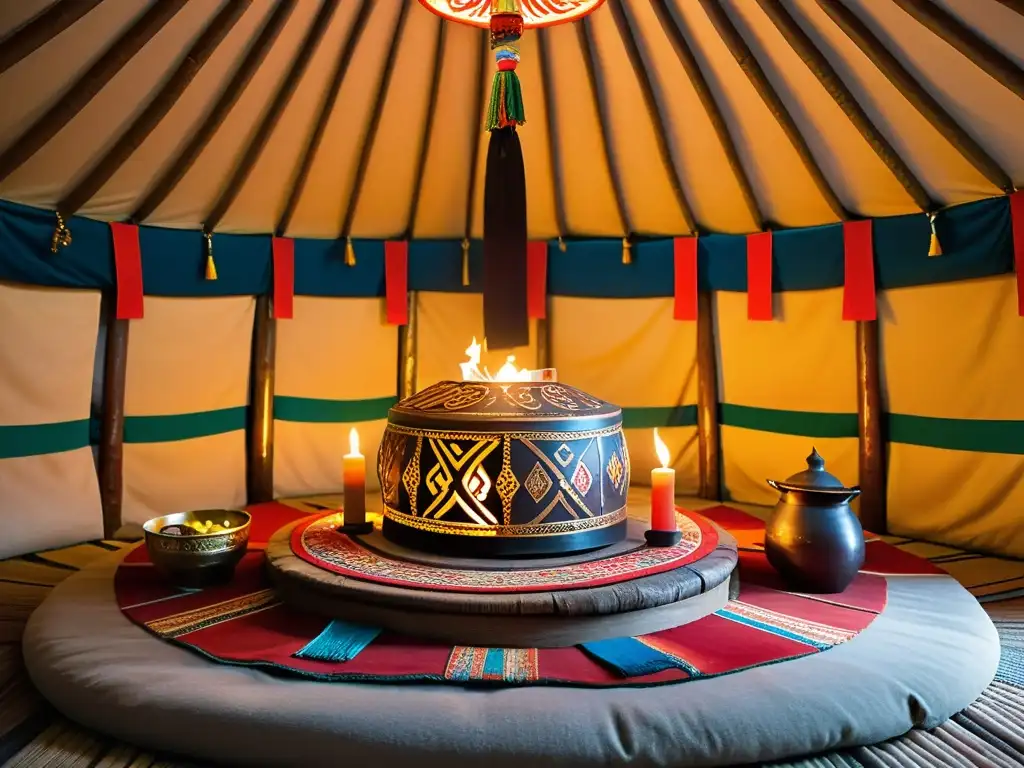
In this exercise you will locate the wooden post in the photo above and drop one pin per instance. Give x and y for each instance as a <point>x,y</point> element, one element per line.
<point>869,429</point>
<point>260,465</point>
<point>407,352</point>
<point>111,453</point>
<point>708,442</point>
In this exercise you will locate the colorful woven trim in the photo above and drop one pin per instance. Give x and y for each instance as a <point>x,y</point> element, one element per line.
<point>509,665</point>
<point>242,623</point>
<point>318,543</point>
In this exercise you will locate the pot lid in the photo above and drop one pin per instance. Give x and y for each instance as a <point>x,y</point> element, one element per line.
<point>815,475</point>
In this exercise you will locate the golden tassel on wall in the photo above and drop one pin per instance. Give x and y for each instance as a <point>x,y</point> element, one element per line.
<point>561,245</point>
<point>61,236</point>
<point>350,253</point>
<point>627,251</point>
<point>211,266</point>
<point>465,261</point>
<point>934,246</point>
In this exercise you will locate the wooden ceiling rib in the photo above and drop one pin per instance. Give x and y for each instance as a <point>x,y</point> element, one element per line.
<point>284,94</point>
<point>967,41</point>
<point>157,108</point>
<point>180,165</point>
<point>41,29</point>
<point>586,40</point>
<point>428,129</point>
<point>654,111</point>
<point>320,124</point>
<point>752,69</point>
<point>674,31</point>
<point>915,93</point>
<point>75,99</point>
<point>817,63</point>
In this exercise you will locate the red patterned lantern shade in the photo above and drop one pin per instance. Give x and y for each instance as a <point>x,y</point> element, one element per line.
<point>536,13</point>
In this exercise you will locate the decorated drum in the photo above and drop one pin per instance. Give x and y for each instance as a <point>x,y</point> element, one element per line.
<point>495,469</point>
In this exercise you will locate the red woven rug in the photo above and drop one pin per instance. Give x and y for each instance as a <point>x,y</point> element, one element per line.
<point>317,542</point>
<point>242,623</point>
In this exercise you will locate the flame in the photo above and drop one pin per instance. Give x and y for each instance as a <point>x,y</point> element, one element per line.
<point>508,372</point>
<point>353,442</point>
<point>661,449</point>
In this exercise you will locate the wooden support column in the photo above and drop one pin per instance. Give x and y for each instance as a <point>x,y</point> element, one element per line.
<point>873,480</point>
<point>407,352</point>
<point>544,357</point>
<point>708,432</point>
<point>111,453</point>
<point>260,464</point>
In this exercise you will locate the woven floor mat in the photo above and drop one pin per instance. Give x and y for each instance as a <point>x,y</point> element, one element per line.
<point>988,733</point>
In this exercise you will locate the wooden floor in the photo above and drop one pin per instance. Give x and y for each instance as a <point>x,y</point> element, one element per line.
<point>989,733</point>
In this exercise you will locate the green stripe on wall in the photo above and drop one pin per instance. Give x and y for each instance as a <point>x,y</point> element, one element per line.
<point>40,439</point>
<point>802,423</point>
<point>649,418</point>
<point>183,426</point>
<point>986,436</point>
<point>310,410</point>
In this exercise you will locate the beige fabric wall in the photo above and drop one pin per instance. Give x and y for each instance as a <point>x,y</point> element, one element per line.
<point>334,352</point>
<point>956,352</point>
<point>47,345</point>
<point>802,363</point>
<point>447,324</point>
<point>188,356</point>
<point>632,352</point>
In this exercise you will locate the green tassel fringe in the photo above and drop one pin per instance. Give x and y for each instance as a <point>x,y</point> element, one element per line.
<point>506,104</point>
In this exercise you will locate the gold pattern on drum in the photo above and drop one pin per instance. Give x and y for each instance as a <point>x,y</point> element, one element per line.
<point>411,476</point>
<point>475,484</point>
<point>507,483</point>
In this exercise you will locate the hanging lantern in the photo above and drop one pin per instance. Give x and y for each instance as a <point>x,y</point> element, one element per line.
<point>506,321</point>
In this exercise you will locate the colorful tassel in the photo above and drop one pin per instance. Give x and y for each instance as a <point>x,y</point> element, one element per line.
<point>505,107</point>
<point>627,251</point>
<point>340,641</point>
<point>465,261</point>
<point>350,253</point>
<point>934,246</point>
<point>211,267</point>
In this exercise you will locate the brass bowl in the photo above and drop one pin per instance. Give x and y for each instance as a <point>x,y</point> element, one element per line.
<point>201,559</point>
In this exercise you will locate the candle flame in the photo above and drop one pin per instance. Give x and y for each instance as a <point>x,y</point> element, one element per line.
<point>661,449</point>
<point>353,442</point>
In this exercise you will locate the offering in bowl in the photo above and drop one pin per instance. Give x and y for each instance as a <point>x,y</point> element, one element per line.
<point>197,549</point>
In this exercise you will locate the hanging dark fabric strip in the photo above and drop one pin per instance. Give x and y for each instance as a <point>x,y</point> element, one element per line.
<point>506,323</point>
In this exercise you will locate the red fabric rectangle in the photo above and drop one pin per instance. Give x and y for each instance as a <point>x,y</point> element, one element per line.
<point>128,270</point>
<point>284,278</point>
<point>396,281</point>
<point>859,261</point>
<point>759,276</point>
<point>684,257</point>
<point>537,279</point>
<point>1017,224</point>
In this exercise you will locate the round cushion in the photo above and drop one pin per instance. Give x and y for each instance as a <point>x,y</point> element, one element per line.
<point>928,655</point>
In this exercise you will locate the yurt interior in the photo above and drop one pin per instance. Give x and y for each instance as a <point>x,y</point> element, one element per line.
<point>560,383</point>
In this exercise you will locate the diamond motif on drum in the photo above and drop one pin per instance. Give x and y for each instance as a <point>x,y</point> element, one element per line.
<point>616,471</point>
<point>563,455</point>
<point>537,482</point>
<point>582,478</point>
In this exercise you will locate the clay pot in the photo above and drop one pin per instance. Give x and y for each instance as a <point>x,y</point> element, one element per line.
<point>813,538</point>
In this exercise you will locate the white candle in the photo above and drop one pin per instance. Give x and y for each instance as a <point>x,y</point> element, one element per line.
<point>663,490</point>
<point>354,477</point>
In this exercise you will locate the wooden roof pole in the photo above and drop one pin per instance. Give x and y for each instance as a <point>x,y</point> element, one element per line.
<point>75,99</point>
<point>156,110</point>
<point>41,29</point>
<point>181,164</point>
